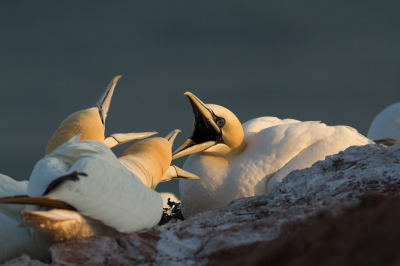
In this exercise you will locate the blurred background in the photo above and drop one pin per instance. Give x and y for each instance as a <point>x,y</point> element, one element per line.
<point>331,61</point>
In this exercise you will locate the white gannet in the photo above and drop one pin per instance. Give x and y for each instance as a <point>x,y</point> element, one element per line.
<point>99,194</point>
<point>385,128</point>
<point>235,161</point>
<point>90,123</point>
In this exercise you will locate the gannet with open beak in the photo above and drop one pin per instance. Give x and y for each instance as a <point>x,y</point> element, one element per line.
<point>385,128</point>
<point>99,194</point>
<point>235,161</point>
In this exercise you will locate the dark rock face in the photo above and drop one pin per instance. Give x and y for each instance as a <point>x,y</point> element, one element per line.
<point>316,216</point>
<point>367,235</point>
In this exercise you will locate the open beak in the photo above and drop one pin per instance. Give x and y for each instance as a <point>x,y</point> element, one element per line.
<point>172,135</point>
<point>174,172</point>
<point>121,138</point>
<point>105,100</point>
<point>206,132</point>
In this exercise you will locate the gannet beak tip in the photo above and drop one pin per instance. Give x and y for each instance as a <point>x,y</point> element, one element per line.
<point>104,101</point>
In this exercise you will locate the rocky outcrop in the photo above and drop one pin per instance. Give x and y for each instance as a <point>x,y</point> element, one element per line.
<point>249,227</point>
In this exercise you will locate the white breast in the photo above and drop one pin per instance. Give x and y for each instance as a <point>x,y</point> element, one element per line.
<point>271,153</point>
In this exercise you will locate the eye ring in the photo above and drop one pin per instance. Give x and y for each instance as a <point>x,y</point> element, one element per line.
<point>220,122</point>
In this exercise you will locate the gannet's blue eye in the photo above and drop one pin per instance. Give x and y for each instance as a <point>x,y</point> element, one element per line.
<point>220,121</point>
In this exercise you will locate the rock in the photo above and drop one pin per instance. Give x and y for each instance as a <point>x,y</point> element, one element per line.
<point>250,226</point>
<point>23,260</point>
<point>366,236</point>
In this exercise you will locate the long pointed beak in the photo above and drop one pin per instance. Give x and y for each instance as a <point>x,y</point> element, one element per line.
<point>121,138</point>
<point>174,172</point>
<point>182,174</point>
<point>189,147</point>
<point>105,100</point>
<point>206,132</point>
<point>172,135</point>
<point>202,113</point>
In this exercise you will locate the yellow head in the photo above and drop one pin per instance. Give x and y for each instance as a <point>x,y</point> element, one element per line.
<point>87,122</point>
<point>213,125</point>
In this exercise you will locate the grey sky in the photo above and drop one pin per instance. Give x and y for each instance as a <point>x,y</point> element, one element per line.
<point>332,61</point>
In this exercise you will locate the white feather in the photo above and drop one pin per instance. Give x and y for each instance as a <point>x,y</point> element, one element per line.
<point>274,148</point>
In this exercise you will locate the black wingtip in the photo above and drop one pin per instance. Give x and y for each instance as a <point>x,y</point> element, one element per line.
<point>71,176</point>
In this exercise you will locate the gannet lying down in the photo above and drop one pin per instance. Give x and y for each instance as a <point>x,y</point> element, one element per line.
<point>386,125</point>
<point>97,193</point>
<point>90,123</point>
<point>235,161</point>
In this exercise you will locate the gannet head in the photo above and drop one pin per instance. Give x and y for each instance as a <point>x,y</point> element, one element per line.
<point>151,160</point>
<point>90,123</point>
<point>213,124</point>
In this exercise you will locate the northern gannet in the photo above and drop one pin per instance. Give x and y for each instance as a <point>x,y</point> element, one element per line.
<point>90,123</point>
<point>98,193</point>
<point>385,128</point>
<point>235,161</point>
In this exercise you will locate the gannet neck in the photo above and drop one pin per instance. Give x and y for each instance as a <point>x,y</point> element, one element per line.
<point>87,122</point>
<point>149,159</point>
<point>90,122</point>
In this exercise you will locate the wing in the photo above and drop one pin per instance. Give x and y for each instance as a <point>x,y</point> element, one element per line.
<point>54,165</point>
<point>275,151</point>
<point>110,194</point>
<point>255,125</point>
<point>336,139</point>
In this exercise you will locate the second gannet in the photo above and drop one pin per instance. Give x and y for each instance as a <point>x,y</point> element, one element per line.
<point>90,123</point>
<point>235,161</point>
<point>99,194</point>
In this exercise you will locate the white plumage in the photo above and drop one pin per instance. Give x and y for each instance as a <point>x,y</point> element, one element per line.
<point>242,161</point>
<point>110,193</point>
<point>111,200</point>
